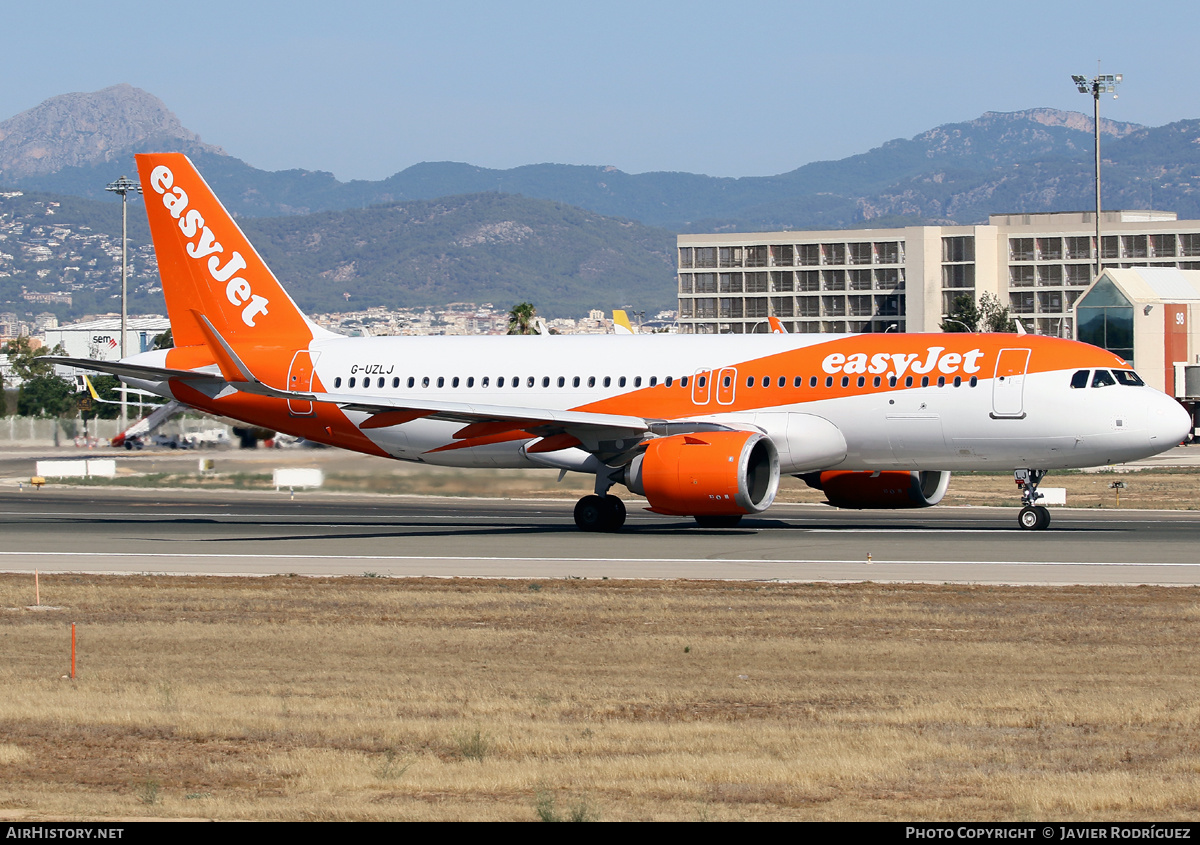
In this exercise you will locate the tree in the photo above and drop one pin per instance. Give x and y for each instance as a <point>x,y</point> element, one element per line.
<point>994,316</point>
<point>42,393</point>
<point>986,316</point>
<point>166,340</point>
<point>45,396</point>
<point>24,358</point>
<point>963,315</point>
<point>521,319</point>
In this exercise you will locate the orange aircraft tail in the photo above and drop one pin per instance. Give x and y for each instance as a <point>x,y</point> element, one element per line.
<point>209,268</point>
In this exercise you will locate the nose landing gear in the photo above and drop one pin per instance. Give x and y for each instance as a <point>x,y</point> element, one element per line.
<point>1033,517</point>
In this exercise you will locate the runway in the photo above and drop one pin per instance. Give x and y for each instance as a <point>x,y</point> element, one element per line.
<point>254,534</point>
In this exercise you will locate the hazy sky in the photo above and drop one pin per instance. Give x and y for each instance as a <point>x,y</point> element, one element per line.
<point>728,89</point>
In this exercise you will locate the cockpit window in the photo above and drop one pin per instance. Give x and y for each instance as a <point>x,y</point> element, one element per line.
<point>1103,378</point>
<point>1080,378</point>
<point>1128,378</point>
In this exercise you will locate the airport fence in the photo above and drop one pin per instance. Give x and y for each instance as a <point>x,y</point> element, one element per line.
<point>32,431</point>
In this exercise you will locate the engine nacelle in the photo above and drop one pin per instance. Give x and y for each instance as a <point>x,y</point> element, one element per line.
<point>863,490</point>
<point>711,473</point>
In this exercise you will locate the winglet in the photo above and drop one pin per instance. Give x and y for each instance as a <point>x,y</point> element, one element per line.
<point>88,383</point>
<point>776,326</point>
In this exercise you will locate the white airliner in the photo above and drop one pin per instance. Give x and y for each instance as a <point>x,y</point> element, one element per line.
<point>701,425</point>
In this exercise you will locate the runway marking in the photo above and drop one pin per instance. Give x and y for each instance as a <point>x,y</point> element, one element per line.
<point>611,560</point>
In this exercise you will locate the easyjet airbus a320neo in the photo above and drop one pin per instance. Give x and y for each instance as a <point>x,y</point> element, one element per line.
<point>701,425</point>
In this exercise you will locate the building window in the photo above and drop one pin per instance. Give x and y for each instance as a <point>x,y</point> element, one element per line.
<point>1162,246</point>
<point>888,252</point>
<point>756,256</point>
<point>1079,274</point>
<point>833,253</point>
<point>731,256</point>
<point>810,254</point>
<point>1021,277</point>
<point>808,280</point>
<point>833,280</point>
<point>685,256</point>
<point>730,283</point>
<point>958,276</point>
<point>1079,248</point>
<point>781,255</point>
<point>1050,275</point>
<point>756,283</point>
<point>1049,249</point>
<point>782,281</point>
<point>958,249</point>
<point>1021,302</point>
<point>1135,246</point>
<point>860,253</point>
<point>1020,249</point>
<point>706,256</point>
<point>685,282</point>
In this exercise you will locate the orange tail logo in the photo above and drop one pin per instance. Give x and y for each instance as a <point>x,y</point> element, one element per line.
<point>207,264</point>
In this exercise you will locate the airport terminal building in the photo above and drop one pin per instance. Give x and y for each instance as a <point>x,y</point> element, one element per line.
<point>868,280</point>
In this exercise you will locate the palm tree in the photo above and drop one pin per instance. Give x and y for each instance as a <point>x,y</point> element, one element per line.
<point>520,319</point>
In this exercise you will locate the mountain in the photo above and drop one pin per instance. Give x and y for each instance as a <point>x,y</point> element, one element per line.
<point>85,130</point>
<point>1026,161</point>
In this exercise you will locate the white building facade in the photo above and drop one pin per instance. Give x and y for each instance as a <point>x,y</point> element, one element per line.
<point>906,279</point>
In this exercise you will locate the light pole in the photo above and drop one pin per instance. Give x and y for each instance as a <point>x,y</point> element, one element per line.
<point>1101,83</point>
<point>123,186</point>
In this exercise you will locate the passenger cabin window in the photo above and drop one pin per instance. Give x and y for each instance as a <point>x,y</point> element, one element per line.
<point>380,382</point>
<point>1103,378</point>
<point>396,382</point>
<point>337,382</point>
<point>1080,379</point>
<point>352,381</point>
<point>411,381</point>
<point>653,380</point>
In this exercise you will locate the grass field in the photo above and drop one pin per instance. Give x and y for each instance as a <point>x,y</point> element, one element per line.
<point>375,698</point>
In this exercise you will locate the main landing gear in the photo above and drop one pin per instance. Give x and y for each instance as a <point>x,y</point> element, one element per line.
<point>600,513</point>
<point>1033,517</point>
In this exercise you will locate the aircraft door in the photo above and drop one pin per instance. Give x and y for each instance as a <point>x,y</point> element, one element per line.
<point>1008,386</point>
<point>701,387</point>
<point>300,375</point>
<point>726,385</point>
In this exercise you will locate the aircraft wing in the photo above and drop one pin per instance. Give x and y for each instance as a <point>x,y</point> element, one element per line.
<point>139,371</point>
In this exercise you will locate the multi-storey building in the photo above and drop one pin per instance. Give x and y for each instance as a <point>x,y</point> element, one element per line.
<point>876,280</point>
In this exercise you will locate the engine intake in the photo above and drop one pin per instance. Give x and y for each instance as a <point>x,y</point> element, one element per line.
<point>890,490</point>
<point>712,473</point>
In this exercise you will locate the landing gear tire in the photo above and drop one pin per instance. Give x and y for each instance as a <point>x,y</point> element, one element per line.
<point>599,513</point>
<point>724,521</point>
<point>1044,512</point>
<point>1034,518</point>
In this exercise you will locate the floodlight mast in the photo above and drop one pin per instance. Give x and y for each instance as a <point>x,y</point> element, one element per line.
<point>123,186</point>
<point>1101,83</point>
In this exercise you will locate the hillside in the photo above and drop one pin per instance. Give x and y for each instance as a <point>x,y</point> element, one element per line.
<point>479,248</point>
<point>1026,161</point>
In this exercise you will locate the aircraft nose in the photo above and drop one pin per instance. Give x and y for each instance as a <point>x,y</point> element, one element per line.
<point>1169,423</point>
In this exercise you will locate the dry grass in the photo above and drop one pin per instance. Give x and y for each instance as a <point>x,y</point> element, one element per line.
<point>372,698</point>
